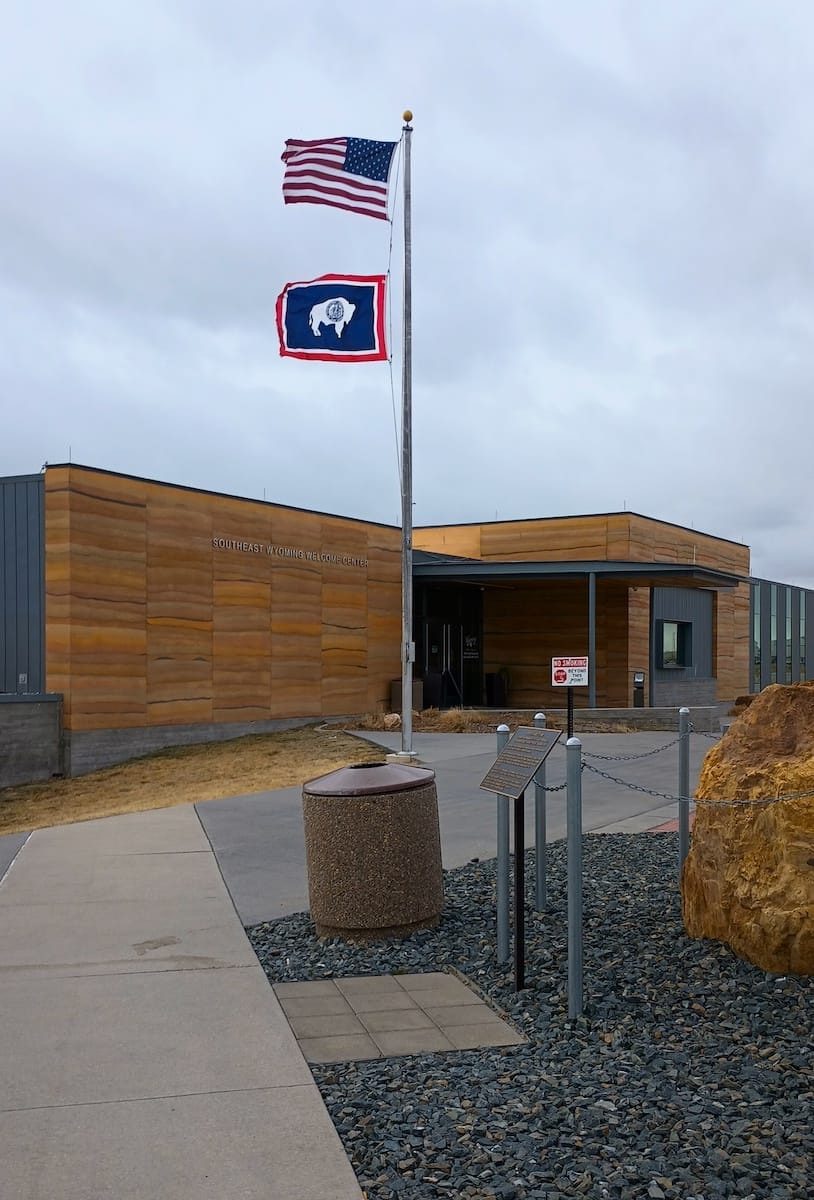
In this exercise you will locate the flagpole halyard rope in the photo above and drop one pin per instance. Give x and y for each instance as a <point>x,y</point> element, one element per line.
<point>397,440</point>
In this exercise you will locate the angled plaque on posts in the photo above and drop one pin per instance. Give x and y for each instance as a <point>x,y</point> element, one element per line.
<point>517,763</point>
<point>509,776</point>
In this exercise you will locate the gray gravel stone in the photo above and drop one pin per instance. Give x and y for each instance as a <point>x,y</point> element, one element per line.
<point>691,1073</point>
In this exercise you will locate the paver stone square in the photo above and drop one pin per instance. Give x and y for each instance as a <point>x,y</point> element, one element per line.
<point>327,1025</point>
<point>306,987</point>
<point>446,996</point>
<point>463,1014</point>
<point>412,1041</point>
<point>341,1048</point>
<point>314,1006</point>
<point>399,1018</point>
<point>381,1001</point>
<point>420,981</point>
<point>472,1037</point>
<point>364,985</point>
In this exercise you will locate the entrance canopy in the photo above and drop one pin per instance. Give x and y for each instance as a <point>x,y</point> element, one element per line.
<point>451,569</point>
<point>488,629</point>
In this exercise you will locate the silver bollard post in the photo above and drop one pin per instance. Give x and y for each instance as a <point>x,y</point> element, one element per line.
<point>502,862</point>
<point>573,757</point>
<point>539,828</point>
<point>683,787</point>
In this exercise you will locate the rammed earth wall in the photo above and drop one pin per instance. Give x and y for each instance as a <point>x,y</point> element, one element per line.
<point>171,607</point>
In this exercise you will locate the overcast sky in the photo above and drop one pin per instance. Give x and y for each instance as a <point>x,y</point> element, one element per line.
<point>613,244</point>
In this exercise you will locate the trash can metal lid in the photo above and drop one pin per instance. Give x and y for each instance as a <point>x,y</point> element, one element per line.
<point>365,779</point>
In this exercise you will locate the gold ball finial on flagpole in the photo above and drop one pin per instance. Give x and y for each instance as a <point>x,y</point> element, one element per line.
<point>408,116</point>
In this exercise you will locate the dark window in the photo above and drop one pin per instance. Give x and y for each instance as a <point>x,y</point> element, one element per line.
<point>803,635</point>
<point>674,645</point>
<point>756,637</point>
<point>773,631</point>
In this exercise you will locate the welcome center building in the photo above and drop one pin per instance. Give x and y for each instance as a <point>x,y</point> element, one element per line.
<point>138,614</point>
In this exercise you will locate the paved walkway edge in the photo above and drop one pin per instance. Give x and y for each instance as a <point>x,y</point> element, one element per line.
<point>144,1051</point>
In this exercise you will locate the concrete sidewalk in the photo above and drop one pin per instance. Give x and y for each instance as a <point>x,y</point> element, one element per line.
<point>143,1052</point>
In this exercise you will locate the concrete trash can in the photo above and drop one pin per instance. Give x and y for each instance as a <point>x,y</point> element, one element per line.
<point>373,850</point>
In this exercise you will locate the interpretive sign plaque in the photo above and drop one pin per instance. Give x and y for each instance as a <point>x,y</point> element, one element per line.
<point>517,764</point>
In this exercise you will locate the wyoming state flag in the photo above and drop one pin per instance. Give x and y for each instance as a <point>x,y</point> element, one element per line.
<point>336,318</point>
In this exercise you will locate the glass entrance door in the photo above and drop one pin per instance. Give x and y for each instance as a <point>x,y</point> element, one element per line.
<point>449,647</point>
<point>443,657</point>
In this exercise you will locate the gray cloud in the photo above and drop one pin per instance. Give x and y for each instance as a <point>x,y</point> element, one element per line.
<point>612,255</point>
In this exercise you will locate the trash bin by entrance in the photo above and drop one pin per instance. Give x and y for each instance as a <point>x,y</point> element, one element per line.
<point>373,850</point>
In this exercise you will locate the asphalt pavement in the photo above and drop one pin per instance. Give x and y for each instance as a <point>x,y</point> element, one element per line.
<point>259,844</point>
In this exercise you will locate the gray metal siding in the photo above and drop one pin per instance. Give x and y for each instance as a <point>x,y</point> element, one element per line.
<point>802,600</point>
<point>692,605</point>
<point>22,584</point>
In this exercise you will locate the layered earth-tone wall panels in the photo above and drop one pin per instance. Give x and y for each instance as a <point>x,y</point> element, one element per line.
<point>167,606</point>
<point>731,642</point>
<point>658,541</point>
<point>638,623</point>
<point>610,537</point>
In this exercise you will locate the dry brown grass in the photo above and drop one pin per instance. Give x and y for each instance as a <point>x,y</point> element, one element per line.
<point>184,775</point>
<point>450,720</point>
<point>465,720</point>
<point>187,774</point>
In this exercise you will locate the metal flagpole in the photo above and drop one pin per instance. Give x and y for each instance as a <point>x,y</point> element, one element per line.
<point>407,644</point>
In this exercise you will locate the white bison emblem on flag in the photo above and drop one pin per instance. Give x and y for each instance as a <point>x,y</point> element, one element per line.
<point>337,312</point>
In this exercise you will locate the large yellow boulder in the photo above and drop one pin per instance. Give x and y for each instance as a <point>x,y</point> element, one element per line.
<point>749,877</point>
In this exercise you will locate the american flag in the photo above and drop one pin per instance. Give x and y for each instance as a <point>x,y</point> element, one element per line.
<point>349,173</point>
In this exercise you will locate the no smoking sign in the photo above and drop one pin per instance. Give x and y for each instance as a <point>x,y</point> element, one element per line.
<point>569,672</point>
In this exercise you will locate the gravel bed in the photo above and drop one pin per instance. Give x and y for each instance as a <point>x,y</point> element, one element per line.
<point>690,1076</point>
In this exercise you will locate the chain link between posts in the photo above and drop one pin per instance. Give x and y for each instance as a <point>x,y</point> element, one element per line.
<point>560,787</point>
<point>705,803</point>
<point>669,796</point>
<point>630,757</point>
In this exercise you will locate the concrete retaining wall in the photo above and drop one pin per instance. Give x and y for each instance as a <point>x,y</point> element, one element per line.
<point>685,692</point>
<point>30,738</point>
<point>704,719</point>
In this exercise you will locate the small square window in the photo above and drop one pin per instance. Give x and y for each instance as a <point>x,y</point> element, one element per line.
<point>674,645</point>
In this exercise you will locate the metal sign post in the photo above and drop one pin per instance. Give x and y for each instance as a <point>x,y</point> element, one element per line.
<point>570,672</point>
<point>502,861</point>
<point>683,787</point>
<point>573,757</point>
<point>519,893</point>
<point>539,828</point>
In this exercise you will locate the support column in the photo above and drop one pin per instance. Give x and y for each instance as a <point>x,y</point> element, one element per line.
<point>592,639</point>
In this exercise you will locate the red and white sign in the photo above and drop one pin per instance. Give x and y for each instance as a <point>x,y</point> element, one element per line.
<point>569,672</point>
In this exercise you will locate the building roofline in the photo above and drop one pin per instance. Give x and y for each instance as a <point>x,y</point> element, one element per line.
<point>798,587</point>
<point>579,517</point>
<point>185,487</point>
<point>32,478</point>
